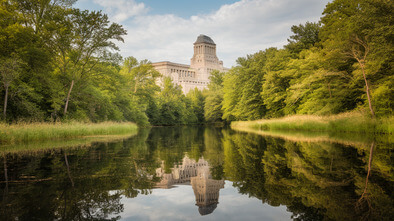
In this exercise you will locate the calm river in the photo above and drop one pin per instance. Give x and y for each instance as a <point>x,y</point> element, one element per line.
<point>200,173</point>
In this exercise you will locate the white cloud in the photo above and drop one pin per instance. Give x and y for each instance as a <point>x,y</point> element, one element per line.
<point>238,29</point>
<point>121,10</point>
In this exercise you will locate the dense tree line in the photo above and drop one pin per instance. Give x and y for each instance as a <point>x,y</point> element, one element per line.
<point>61,63</point>
<point>344,62</point>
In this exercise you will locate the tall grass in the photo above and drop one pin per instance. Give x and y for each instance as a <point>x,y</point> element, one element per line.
<point>345,122</point>
<point>23,132</point>
<point>35,147</point>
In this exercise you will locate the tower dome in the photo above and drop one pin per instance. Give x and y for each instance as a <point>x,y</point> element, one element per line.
<point>204,39</point>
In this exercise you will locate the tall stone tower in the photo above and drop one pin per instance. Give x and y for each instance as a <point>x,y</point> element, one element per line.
<point>195,75</point>
<point>204,59</point>
<point>206,190</point>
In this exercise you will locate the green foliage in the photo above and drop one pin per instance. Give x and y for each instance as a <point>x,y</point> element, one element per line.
<point>305,37</point>
<point>276,82</point>
<point>197,104</point>
<point>325,69</point>
<point>140,85</point>
<point>383,98</point>
<point>174,107</point>
<point>214,97</point>
<point>242,88</point>
<point>67,70</point>
<point>213,106</point>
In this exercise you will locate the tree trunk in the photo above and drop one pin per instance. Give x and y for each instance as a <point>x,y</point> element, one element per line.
<point>68,97</point>
<point>368,95</point>
<point>5,102</point>
<point>5,175</point>
<point>369,170</point>
<point>68,169</point>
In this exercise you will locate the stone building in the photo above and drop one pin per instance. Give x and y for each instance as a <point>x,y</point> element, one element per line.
<point>180,174</point>
<point>206,190</point>
<point>195,75</point>
<point>197,174</point>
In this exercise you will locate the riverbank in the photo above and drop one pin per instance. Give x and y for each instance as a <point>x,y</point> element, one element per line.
<point>24,132</point>
<point>345,122</point>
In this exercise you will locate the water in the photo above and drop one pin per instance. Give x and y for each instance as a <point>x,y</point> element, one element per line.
<point>200,173</point>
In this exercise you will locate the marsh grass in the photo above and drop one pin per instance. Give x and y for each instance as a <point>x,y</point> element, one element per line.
<point>345,122</point>
<point>38,147</point>
<point>26,132</point>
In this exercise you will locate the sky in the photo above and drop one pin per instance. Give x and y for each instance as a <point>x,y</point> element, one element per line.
<point>165,30</point>
<point>179,203</point>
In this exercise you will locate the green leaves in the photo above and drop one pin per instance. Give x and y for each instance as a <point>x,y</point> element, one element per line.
<point>305,37</point>
<point>69,63</point>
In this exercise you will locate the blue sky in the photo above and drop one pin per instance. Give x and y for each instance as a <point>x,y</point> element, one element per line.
<point>165,30</point>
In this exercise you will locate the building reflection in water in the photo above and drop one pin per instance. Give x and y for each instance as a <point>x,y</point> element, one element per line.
<point>198,175</point>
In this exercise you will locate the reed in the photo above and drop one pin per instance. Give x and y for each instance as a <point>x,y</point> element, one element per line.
<point>345,122</point>
<point>24,132</point>
<point>36,147</point>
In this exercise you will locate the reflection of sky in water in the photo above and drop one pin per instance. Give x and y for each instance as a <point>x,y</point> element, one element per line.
<point>179,204</point>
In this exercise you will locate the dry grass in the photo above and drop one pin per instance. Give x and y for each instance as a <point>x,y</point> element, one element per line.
<point>345,122</point>
<point>23,132</point>
<point>37,147</point>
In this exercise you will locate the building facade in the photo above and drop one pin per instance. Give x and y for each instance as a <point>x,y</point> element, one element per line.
<point>195,75</point>
<point>198,175</point>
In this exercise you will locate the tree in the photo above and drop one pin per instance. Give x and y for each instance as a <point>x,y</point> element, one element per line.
<point>174,107</point>
<point>214,97</point>
<point>314,89</point>
<point>10,70</point>
<point>276,82</point>
<point>141,80</point>
<point>305,37</point>
<point>242,88</point>
<point>38,13</point>
<point>359,51</point>
<point>142,77</point>
<point>357,34</point>
<point>88,39</point>
<point>197,104</point>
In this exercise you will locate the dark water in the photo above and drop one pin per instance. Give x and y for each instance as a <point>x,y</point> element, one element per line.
<point>200,173</point>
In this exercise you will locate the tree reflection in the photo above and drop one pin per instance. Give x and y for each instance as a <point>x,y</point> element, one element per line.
<point>314,180</point>
<point>76,184</point>
<point>364,202</point>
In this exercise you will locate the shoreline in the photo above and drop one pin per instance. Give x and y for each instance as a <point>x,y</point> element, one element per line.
<point>19,133</point>
<point>346,122</point>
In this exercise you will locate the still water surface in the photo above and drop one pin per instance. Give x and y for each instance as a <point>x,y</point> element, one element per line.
<point>200,173</point>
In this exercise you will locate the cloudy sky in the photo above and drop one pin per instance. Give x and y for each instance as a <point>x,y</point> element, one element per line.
<point>165,30</point>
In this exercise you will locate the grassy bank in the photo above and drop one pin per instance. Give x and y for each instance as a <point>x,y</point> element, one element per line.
<point>36,147</point>
<point>345,122</point>
<point>15,133</point>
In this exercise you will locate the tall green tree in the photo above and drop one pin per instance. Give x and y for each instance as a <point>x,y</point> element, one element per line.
<point>173,105</point>
<point>197,99</point>
<point>9,69</point>
<point>242,88</point>
<point>214,97</point>
<point>356,38</point>
<point>276,82</point>
<point>304,37</point>
<point>141,79</point>
<point>18,40</point>
<point>91,36</point>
